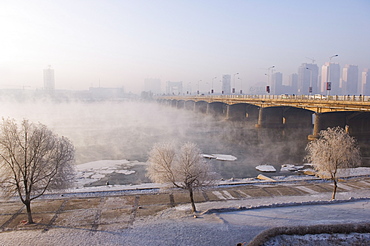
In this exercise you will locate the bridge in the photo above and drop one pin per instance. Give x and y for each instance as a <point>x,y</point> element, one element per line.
<point>271,111</point>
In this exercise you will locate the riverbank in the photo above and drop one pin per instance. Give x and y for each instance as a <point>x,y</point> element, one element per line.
<point>165,217</point>
<point>108,220</point>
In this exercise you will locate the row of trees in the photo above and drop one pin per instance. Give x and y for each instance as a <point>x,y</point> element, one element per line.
<point>333,152</point>
<point>34,160</point>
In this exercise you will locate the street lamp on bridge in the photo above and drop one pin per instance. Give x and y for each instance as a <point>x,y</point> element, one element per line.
<point>212,85</point>
<point>268,78</point>
<point>241,86</point>
<point>328,83</point>
<point>198,87</point>
<point>234,83</point>
<point>310,87</point>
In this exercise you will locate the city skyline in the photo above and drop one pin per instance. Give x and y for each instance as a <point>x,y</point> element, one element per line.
<point>121,43</point>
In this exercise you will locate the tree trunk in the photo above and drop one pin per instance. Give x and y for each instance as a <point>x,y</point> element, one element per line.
<point>192,200</point>
<point>335,189</point>
<point>29,214</point>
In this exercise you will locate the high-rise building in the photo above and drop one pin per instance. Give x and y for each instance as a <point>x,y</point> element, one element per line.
<point>49,80</point>
<point>365,82</point>
<point>308,75</point>
<point>330,79</point>
<point>293,84</point>
<point>349,82</point>
<point>174,88</point>
<point>153,86</point>
<point>226,84</point>
<point>277,83</point>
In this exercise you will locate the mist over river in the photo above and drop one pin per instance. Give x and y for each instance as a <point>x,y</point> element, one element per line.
<point>128,130</point>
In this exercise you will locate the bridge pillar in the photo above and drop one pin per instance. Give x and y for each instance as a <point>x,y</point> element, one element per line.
<point>190,105</point>
<point>271,118</point>
<point>180,104</point>
<point>173,103</point>
<point>358,123</point>
<point>217,109</point>
<point>284,116</point>
<point>201,106</point>
<point>242,112</point>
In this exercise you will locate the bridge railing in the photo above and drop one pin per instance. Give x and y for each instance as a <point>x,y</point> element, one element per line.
<point>288,97</point>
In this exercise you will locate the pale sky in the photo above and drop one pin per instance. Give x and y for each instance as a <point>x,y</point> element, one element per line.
<point>122,42</point>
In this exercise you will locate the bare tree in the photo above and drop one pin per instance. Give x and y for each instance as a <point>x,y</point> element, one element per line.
<point>334,149</point>
<point>33,160</point>
<point>184,168</point>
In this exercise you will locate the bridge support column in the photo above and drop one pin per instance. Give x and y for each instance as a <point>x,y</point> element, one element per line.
<point>260,118</point>
<point>317,126</point>
<point>269,117</point>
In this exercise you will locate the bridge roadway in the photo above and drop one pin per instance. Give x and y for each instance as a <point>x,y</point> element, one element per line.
<point>318,104</point>
<point>118,210</point>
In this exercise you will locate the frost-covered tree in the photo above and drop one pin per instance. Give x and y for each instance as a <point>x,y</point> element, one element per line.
<point>33,160</point>
<point>181,167</point>
<point>334,149</point>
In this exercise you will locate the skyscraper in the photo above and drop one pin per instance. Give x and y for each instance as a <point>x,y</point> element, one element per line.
<point>330,78</point>
<point>49,81</point>
<point>365,82</point>
<point>277,83</point>
<point>308,79</point>
<point>226,84</point>
<point>293,84</point>
<point>174,88</point>
<point>349,81</point>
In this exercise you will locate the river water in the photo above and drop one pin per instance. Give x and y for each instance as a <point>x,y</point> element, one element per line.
<point>128,130</point>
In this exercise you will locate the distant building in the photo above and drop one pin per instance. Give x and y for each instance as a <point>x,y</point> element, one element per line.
<point>153,86</point>
<point>349,82</point>
<point>226,84</point>
<point>330,72</point>
<point>293,84</point>
<point>308,75</point>
<point>365,82</point>
<point>277,84</point>
<point>174,88</point>
<point>49,80</point>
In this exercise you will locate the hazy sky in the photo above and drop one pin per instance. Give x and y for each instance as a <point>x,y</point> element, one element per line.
<point>122,42</point>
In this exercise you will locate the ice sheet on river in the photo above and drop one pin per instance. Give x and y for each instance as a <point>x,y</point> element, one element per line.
<point>220,157</point>
<point>93,171</point>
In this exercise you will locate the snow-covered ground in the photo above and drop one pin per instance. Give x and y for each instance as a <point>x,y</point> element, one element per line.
<point>177,226</point>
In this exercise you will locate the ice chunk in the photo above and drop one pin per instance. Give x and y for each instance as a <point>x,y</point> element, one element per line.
<point>208,156</point>
<point>220,157</point>
<point>265,168</point>
<point>288,168</point>
<point>225,157</point>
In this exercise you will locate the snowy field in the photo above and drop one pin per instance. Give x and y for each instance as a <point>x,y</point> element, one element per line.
<point>177,226</point>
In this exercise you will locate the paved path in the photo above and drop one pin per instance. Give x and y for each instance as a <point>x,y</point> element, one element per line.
<point>117,212</point>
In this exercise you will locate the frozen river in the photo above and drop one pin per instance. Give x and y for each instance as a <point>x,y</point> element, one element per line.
<point>128,130</point>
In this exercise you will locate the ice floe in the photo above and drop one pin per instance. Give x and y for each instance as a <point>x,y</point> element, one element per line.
<point>220,157</point>
<point>266,168</point>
